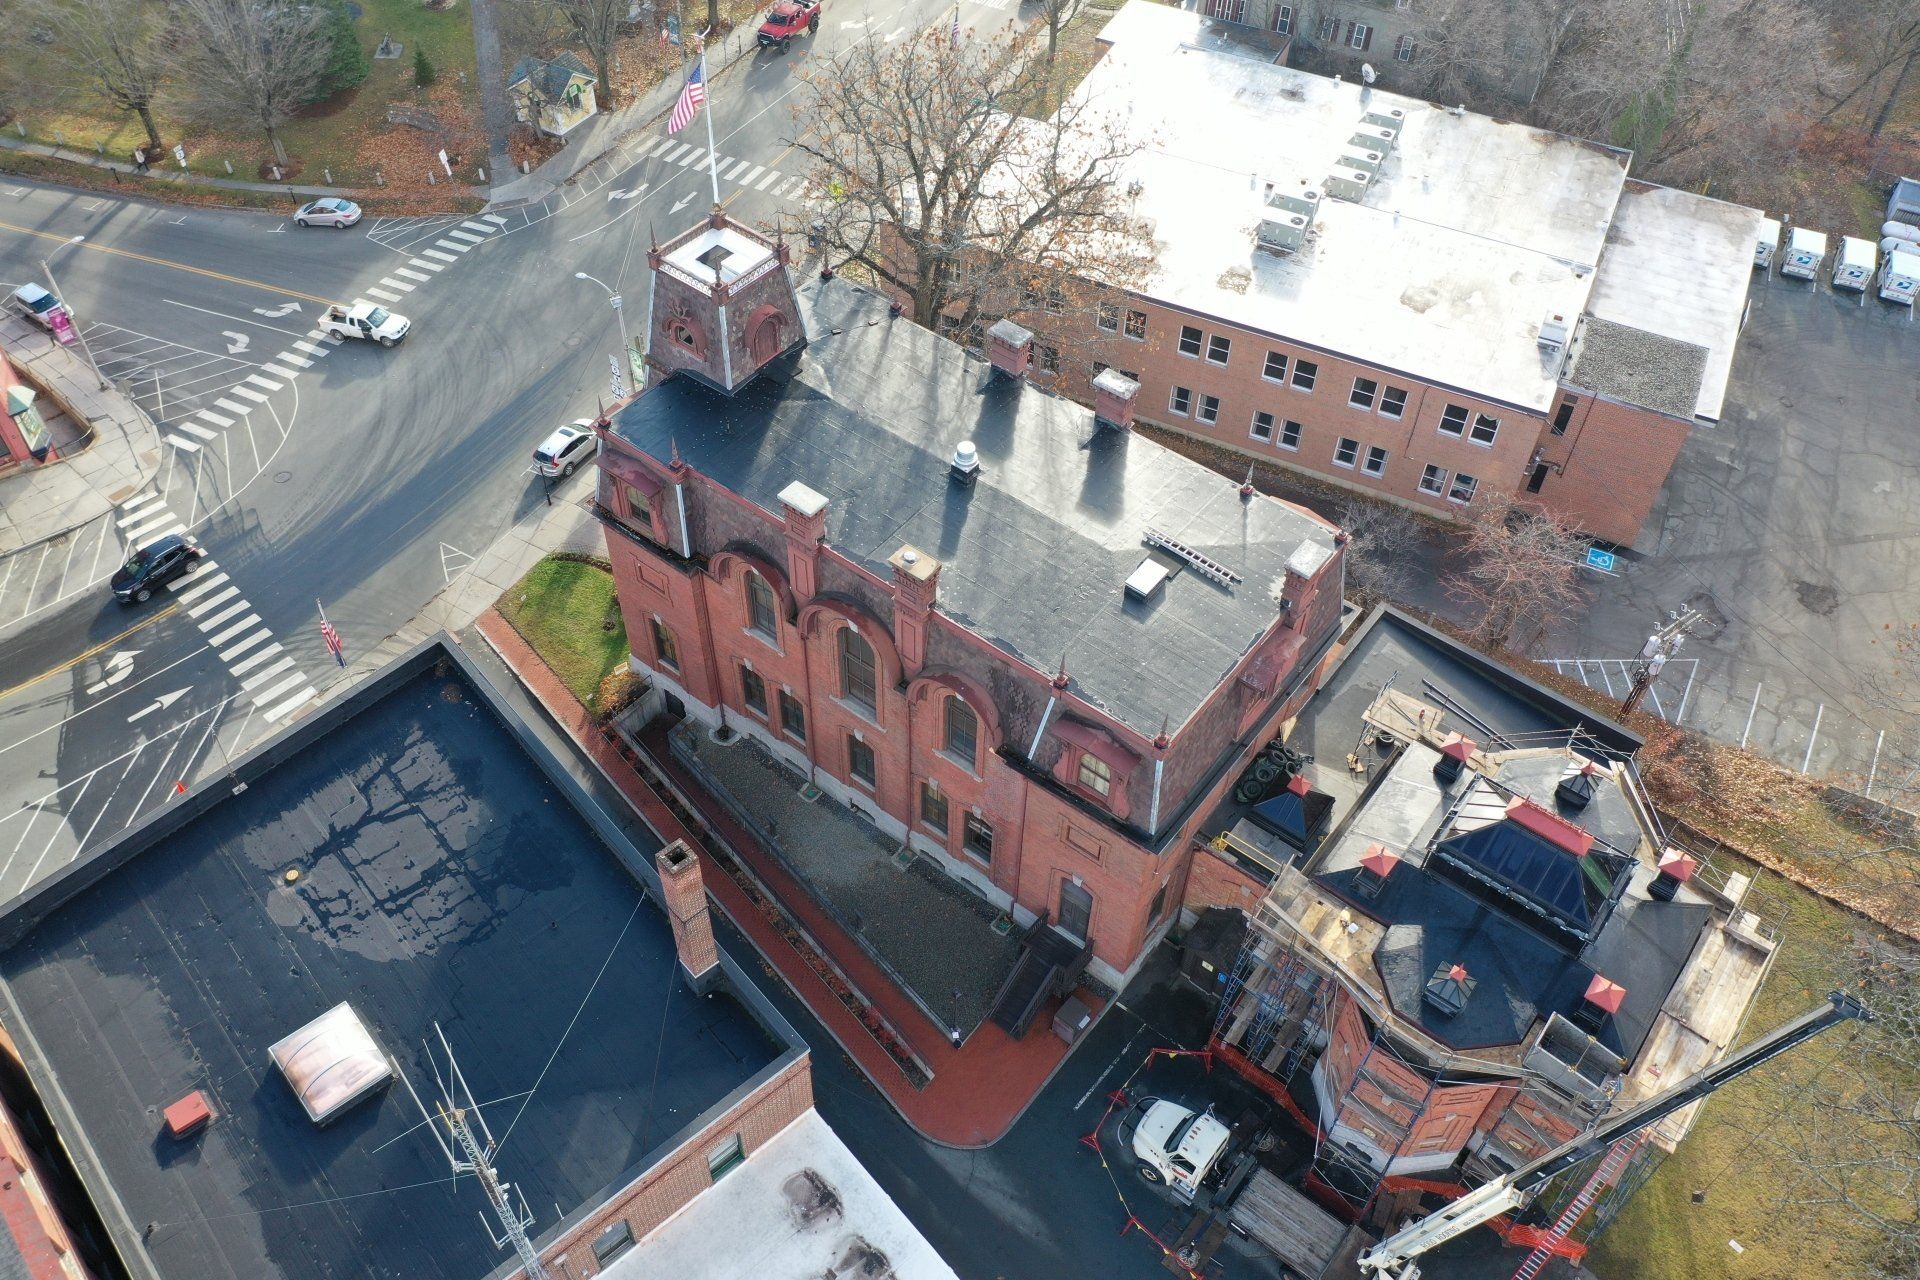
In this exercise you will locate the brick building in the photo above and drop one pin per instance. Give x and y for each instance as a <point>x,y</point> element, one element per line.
<point>1023,642</point>
<point>1484,942</point>
<point>1422,304</point>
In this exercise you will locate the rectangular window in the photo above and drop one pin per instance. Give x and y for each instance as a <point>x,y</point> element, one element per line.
<point>859,761</point>
<point>1108,318</point>
<point>793,720</point>
<point>1433,480</point>
<point>1484,429</point>
<point>1329,28</point>
<point>963,732</point>
<point>1137,325</point>
<point>858,683</point>
<point>978,837</point>
<point>1462,490</point>
<point>1262,427</point>
<point>640,507</point>
<point>1304,372</point>
<point>1538,478</point>
<point>1049,359</point>
<point>725,1158</point>
<point>1360,36</point>
<point>1376,463</point>
<point>1209,410</point>
<point>1180,403</point>
<point>933,806</point>
<point>1276,370</point>
<point>1563,415</point>
<point>1283,19</point>
<point>1218,349</point>
<point>760,606</point>
<point>1393,402</point>
<point>1095,775</point>
<point>1158,905</point>
<point>753,690</point>
<point>1404,48</point>
<point>1345,452</point>
<point>1189,340</point>
<point>1454,421</point>
<point>611,1243</point>
<point>1363,393</point>
<point>664,648</point>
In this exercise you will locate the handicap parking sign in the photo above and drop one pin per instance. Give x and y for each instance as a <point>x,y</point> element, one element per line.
<point>1601,560</point>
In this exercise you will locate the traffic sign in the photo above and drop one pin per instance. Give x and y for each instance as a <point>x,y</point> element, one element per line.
<point>1601,560</point>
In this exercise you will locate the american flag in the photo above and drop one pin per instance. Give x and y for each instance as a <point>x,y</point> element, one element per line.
<point>332,637</point>
<point>692,98</point>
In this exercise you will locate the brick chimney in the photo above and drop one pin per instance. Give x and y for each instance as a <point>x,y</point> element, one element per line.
<point>686,901</point>
<point>806,521</point>
<point>1010,348</point>
<point>1114,395</point>
<point>916,580</point>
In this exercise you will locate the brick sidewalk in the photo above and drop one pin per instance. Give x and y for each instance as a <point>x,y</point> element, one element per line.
<point>977,1091</point>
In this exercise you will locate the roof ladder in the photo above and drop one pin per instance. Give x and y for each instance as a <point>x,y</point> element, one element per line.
<point>1204,563</point>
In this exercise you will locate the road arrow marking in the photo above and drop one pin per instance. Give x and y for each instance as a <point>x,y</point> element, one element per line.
<point>236,342</point>
<point>619,194</point>
<point>117,668</point>
<point>681,203</point>
<point>160,703</point>
<point>286,309</point>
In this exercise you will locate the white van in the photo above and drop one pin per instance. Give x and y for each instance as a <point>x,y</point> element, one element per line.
<point>1806,250</point>
<point>1899,276</point>
<point>1853,265</point>
<point>1767,244</point>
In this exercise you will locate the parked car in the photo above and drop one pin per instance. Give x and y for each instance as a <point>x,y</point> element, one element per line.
<point>155,565</point>
<point>365,320</point>
<point>787,19</point>
<point>330,212</point>
<point>37,305</point>
<point>561,453</point>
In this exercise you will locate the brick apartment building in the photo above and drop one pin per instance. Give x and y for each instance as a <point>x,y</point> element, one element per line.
<point>1010,634</point>
<point>1421,304</point>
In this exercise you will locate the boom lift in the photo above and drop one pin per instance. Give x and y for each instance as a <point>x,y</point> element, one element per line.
<point>1395,1258</point>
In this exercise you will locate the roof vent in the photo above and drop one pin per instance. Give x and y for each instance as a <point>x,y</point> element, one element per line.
<point>965,468</point>
<point>1577,787</point>
<point>1145,582</point>
<point>1449,989</point>
<point>1454,754</point>
<point>1553,331</point>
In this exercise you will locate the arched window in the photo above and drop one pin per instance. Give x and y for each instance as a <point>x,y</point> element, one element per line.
<point>761,611</point>
<point>961,738</point>
<point>857,682</point>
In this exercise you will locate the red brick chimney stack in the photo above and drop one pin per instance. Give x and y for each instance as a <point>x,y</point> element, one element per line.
<point>1010,347</point>
<point>1114,394</point>
<point>686,901</point>
<point>806,518</point>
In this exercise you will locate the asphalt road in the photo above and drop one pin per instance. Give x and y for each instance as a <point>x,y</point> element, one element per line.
<point>317,474</point>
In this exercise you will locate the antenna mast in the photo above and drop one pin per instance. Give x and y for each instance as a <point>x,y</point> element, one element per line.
<point>456,1109</point>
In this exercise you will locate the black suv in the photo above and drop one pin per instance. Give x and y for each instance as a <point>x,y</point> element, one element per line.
<point>154,566</point>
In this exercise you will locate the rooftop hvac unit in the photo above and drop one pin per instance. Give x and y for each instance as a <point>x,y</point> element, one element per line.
<point>1371,137</point>
<point>1553,331</point>
<point>1345,183</point>
<point>1285,219</point>
<point>1368,162</point>
<point>1303,199</point>
<point>1389,118</point>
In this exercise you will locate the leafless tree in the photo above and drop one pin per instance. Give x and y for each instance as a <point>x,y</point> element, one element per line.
<point>115,43</point>
<point>1521,573</point>
<point>1476,50</point>
<point>956,203</point>
<point>1382,541</point>
<point>251,61</point>
<point>594,24</point>
<point>1883,45</point>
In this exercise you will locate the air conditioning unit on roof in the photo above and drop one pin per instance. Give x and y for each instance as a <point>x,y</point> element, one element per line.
<point>1553,331</point>
<point>1393,118</point>
<point>1348,183</point>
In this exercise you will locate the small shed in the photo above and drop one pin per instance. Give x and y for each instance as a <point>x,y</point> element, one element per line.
<point>331,1063</point>
<point>553,95</point>
<point>1903,202</point>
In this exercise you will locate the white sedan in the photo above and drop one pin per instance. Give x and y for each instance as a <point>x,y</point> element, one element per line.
<point>330,212</point>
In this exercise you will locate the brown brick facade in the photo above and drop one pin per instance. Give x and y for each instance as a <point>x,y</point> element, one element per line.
<point>663,1190</point>
<point>1608,467</point>
<point>686,894</point>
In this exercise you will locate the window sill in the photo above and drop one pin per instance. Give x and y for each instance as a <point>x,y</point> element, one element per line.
<point>960,762</point>
<point>1305,391</point>
<point>767,640</point>
<point>860,713</point>
<point>1278,382</point>
<point>984,859</point>
<point>1374,475</point>
<point>868,787</point>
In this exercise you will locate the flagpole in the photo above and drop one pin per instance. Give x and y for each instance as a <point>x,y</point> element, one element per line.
<point>713,155</point>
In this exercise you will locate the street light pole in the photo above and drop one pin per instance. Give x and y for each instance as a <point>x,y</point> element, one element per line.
<point>620,320</point>
<point>53,287</point>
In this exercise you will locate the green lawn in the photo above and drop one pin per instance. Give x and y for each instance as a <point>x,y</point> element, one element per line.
<point>567,611</point>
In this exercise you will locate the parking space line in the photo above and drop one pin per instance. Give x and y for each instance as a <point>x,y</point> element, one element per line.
<point>293,704</point>
<point>248,643</point>
<point>261,697</point>
<point>213,620</point>
<point>250,620</point>
<point>213,601</point>
<point>266,673</point>
<point>200,585</point>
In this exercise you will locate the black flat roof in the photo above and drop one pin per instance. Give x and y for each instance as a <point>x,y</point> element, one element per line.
<point>1037,553</point>
<point>446,876</point>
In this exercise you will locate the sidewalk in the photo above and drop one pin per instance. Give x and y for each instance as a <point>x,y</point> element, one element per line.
<point>44,502</point>
<point>162,175</point>
<point>978,1090</point>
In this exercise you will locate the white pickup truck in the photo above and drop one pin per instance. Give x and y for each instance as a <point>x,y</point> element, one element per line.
<point>366,320</point>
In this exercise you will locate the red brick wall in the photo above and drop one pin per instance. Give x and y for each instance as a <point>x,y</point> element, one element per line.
<point>1616,461</point>
<point>662,1190</point>
<point>1213,881</point>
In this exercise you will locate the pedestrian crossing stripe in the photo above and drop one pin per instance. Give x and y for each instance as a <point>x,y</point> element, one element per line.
<point>198,430</point>
<point>186,445</point>
<point>227,655</point>
<point>292,704</point>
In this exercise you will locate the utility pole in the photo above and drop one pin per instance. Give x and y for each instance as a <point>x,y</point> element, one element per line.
<point>1660,646</point>
<point>456,1110</point>
<point>53,287</point>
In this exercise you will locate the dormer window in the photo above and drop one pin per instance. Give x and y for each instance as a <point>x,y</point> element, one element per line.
<point>1096,775</point>
<point>685,334</point>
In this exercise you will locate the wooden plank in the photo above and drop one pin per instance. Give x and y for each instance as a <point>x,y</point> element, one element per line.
<point>1295,1229</point>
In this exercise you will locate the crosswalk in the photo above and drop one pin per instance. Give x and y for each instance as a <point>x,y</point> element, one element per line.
<point>741,173</point>
<point>205,425</point>
<point>270,680</point>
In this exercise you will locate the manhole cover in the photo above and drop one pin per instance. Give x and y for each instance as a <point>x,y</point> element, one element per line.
<point>281,477</point>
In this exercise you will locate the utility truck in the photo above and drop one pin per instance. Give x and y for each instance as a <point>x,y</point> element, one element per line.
<point>365,320</point>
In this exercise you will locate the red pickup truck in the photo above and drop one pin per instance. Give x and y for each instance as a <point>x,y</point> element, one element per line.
<point>787,19</point>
